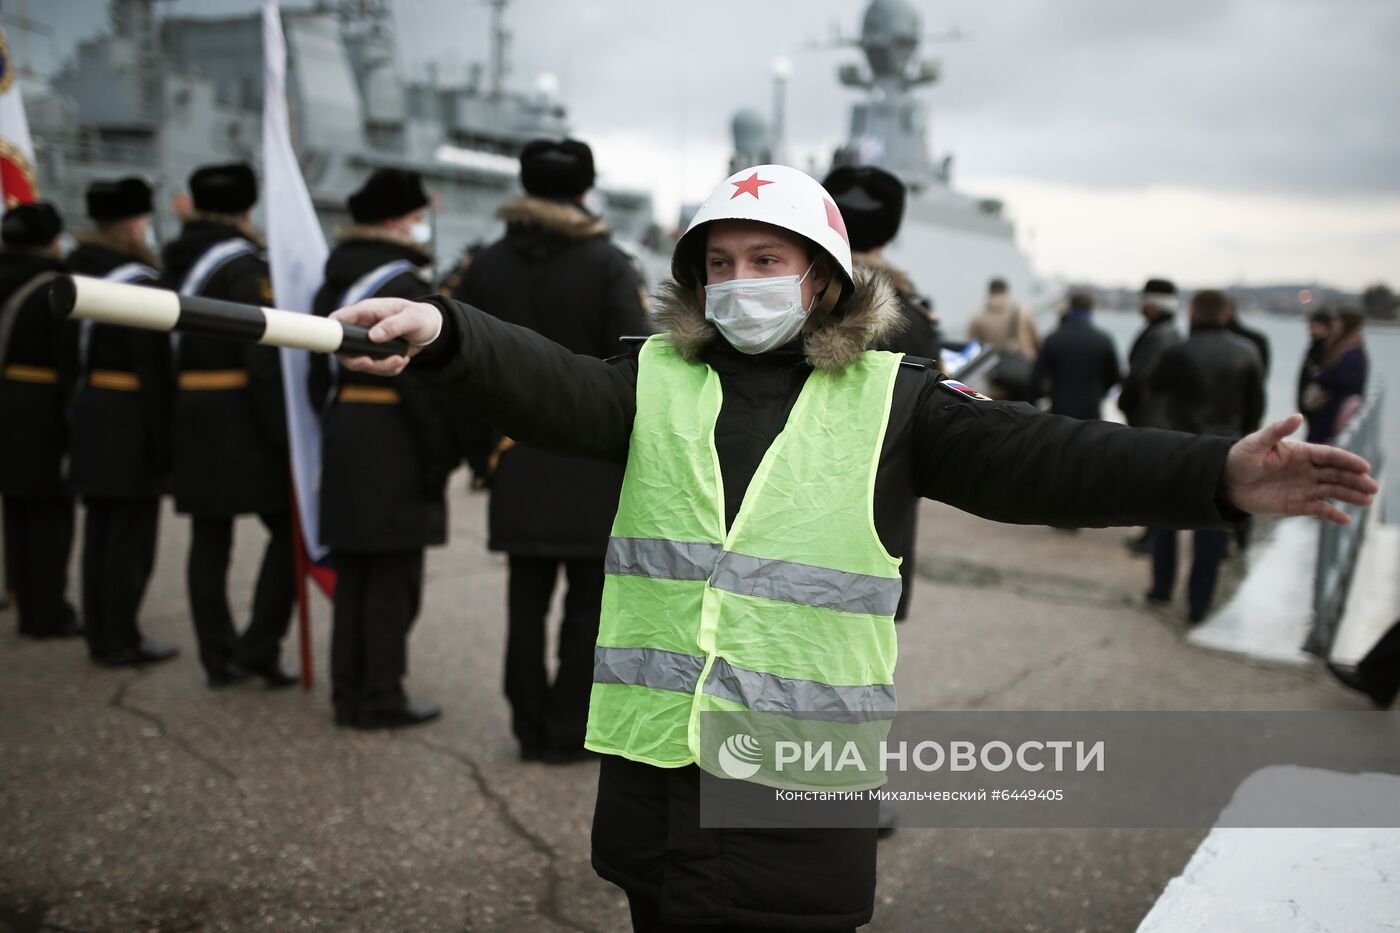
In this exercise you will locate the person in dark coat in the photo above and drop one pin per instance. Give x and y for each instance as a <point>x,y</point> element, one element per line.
<point>1002,461</point>
<point>872,204</point>
<point>121,425</point>
<point>230,434</point>
<point>1338,382</point>
<point>557,272</point>
<point>35,379</point>
<point>387,448</point>
<point>1212,383</point>
<point>1320,326</point>
<point>1140,407</point>
<point>1078,363</point>
<point>1240,329</point>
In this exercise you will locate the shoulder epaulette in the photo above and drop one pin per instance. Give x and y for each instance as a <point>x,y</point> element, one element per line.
<point>918,362</point>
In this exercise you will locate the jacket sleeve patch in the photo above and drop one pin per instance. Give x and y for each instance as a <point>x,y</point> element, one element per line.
<point>965,391</point>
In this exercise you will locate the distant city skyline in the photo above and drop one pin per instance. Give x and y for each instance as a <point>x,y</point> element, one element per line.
<point>1213,141</point>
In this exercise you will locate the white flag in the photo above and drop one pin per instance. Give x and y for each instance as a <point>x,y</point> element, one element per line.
<point>297,257</point>
<point>18,184</point>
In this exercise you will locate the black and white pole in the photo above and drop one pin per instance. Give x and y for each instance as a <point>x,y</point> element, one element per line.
<point>158,309</point>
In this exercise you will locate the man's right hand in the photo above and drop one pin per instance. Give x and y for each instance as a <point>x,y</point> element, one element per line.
<point>387,318</point>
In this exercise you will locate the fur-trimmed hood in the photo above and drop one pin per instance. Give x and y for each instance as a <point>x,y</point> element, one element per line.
<point>562,218</point>
<point>349,233</point>
<point>114,240</point>
<point>868,316</point>
<point>244,228</point>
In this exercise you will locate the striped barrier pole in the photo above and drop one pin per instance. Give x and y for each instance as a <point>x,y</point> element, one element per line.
<point>148,308</point>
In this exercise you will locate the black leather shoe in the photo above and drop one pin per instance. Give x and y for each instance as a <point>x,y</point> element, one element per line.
<point>227,676</point>
<point>410,714</point>
<point>148,652</point>
<point>1157,599</point>
<point>345,717</point>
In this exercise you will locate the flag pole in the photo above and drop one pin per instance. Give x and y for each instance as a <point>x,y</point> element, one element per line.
<point>308,666</point>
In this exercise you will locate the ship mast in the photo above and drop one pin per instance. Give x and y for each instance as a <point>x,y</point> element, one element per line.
<point>500,46</point>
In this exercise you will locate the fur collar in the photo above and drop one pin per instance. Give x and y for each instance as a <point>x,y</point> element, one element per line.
<point>245,229</point>
<point>375,232</point>
<point>116,241</point>
<point>872,313</point>
<point>903,286</point>
<point>562,217</point>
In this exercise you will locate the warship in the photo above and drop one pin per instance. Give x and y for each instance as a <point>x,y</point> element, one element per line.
<point>951,243</point>
<point>158,96</point>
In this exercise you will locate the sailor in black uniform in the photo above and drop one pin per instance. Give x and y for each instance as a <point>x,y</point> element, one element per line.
<point>35,375</point>
<point>120,414</point>
<point>230,434</point>
<point>387,450</point>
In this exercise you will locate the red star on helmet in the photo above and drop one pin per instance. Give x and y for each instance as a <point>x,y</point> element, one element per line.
<point>749,185</point>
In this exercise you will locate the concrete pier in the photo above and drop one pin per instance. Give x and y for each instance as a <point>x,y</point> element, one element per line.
<point>140,800</point>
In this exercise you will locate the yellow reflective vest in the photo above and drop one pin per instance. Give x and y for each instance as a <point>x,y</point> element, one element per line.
<point>787,616</point>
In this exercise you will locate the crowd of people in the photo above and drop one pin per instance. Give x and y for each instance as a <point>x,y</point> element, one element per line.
<point>1210,380</point>
<point>730,497</point>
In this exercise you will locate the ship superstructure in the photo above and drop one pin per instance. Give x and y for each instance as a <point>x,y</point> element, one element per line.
<point>159,96</point>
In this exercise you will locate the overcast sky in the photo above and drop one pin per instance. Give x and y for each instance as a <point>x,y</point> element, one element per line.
<point>1216,141</point>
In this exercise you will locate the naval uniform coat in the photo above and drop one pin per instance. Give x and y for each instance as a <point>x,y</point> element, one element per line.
<point>121,439</point>
<point>384,467</point>
<point>557,272</point>
<point>32,413</point>
<point>1000,460</point>
<point>230,445</point>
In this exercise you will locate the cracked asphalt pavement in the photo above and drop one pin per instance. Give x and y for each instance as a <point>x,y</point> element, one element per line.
<point>140,800</point>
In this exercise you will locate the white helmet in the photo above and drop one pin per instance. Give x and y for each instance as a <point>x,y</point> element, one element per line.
<point>773,194</point>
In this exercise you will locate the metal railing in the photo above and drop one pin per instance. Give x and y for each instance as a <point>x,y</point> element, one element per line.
<point>1339,545</point>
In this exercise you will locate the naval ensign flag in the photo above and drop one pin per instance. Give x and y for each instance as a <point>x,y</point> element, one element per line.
<point>297,257</point>
<point>17,181</point>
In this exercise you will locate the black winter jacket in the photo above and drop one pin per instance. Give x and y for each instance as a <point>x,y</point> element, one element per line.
<point>121,439</point>
<point>1142,407</point>
<point>33,422</point>
<point>556,272</point>
<point>230,444</point>
<point>1256,337</point>
<point>1001,460</point>
<point>384,467</point>
<point>1079,364</point>
<point>1212,383</point>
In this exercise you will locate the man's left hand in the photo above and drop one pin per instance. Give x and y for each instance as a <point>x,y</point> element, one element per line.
<point>1267,473</point>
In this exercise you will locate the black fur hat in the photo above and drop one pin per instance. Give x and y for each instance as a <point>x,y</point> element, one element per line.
<point>389,192</point>
<point>117,200</point>
<point>871,202</point>
<point>556,168</point>
<point>31,225</point>
<point>224,189</point>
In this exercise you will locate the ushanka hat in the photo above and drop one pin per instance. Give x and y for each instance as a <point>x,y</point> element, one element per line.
<point>556,168</point>
<point>224,189</point>
<point>871,202</point>
<point>109,201</point>
<point>388,193</point>
<point>34,224</point>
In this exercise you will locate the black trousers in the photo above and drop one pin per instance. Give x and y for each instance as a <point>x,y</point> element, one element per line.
<point>1207,551</point>
<point>206,575</point>
<point>545,715</point>
<point>38,543</point>
<point>119,553</point>
<point>377,597</point>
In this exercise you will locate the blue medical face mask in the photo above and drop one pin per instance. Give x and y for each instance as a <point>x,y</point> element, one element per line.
<point>758,315</point>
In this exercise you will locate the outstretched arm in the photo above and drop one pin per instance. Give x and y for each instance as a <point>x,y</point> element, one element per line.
<point>1010,463</point>
<point>528,387</point>
<point>1267,473</point>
